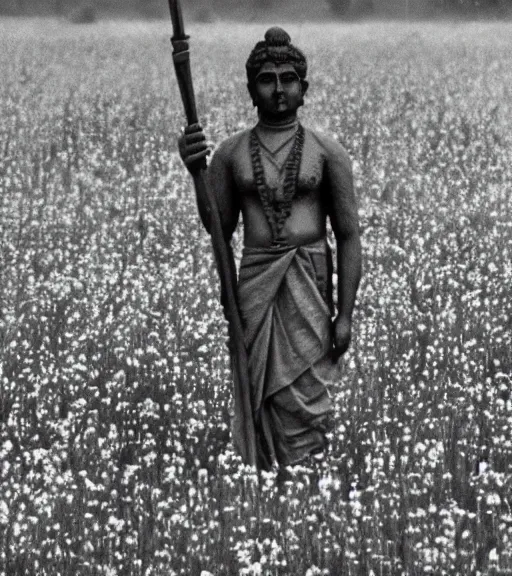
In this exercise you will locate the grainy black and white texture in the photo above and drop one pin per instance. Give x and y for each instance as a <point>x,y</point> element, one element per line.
<point>114,377</point>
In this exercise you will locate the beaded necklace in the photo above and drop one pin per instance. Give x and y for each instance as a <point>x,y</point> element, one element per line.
<point>277,211</point>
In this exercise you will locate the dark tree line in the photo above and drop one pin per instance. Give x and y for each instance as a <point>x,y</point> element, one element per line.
<point>65,7</point>
<point>420,7</point>
<point>339,8</point>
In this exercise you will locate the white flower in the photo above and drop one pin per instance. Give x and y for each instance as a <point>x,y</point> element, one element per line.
<point>493,499</point>
<point>4,513</point>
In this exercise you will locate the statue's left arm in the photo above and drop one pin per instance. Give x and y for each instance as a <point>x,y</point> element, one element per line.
<point>342,210</point>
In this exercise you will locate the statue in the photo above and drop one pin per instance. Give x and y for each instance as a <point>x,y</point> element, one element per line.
<point>286,180</point>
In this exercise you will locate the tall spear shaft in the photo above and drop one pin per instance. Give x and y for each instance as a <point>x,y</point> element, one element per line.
<point>221,249</point>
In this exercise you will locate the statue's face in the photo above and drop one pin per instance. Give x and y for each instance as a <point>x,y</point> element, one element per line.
<point>277,91</point>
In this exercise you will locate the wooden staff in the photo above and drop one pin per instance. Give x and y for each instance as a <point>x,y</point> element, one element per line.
<point>221,249</point>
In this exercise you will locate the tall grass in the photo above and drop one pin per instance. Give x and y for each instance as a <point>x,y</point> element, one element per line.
<point>115,400</point>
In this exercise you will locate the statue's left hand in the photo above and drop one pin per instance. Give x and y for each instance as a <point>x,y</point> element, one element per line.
<point>342,333</point>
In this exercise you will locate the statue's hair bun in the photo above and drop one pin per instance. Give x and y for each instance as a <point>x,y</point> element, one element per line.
<point>277,48</point>
<point>277,37</point>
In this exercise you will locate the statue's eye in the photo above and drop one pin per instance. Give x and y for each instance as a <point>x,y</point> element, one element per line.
<point>266,78</point>
<point>289,77</point>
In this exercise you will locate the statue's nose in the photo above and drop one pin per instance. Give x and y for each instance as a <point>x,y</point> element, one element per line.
<point>279,86</point>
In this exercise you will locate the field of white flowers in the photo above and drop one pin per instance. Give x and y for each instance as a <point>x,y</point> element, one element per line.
<point>115,456</point>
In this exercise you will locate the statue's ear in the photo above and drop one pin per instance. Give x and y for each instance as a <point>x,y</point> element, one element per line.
<point>305,86</point>
<point>252,92</point>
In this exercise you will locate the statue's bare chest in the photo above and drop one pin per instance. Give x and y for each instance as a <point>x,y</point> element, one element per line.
<point>309,174</point>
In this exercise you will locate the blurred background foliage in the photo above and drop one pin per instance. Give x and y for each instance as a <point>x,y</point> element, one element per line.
<point>209,10</point>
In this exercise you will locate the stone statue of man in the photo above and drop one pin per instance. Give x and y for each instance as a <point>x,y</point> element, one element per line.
<point>286,180</point>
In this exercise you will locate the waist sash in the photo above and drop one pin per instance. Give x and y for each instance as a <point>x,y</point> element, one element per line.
<point>284,305</point>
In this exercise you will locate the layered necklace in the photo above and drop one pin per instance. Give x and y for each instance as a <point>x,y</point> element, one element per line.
<point>277,210</point>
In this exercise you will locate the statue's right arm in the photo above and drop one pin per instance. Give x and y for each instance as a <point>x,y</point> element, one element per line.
<point>221,183</point>
<point>193,151</point>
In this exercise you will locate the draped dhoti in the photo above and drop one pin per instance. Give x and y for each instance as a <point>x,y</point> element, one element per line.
<point>285,298</point>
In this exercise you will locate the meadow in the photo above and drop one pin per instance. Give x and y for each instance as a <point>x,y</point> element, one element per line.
<point>115,390</point>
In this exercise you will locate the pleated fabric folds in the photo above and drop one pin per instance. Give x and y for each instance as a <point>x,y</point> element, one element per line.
<point>285,300</point>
